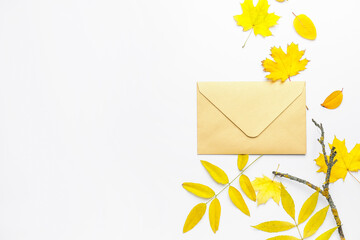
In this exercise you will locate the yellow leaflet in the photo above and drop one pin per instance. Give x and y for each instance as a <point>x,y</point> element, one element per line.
<point>304,27</point>
<point>315,222</point>
<point>274,226</point>
<point>333,100</point>
<point>308,207</point>
<point>345,161</point>
<point>238,200</point>
<point>256,18</point>
<point>326,235</point>
<point>242,161</point>
<point>280,1</point>
<point>215,172</point>
<point>214,214</point>
<point>287,202</point>
<point>285,65</point>
<point>267,189</point>
<point>194,217</point>
<point>283,237</point>
<point>247,187</point>
<point>199,190</point>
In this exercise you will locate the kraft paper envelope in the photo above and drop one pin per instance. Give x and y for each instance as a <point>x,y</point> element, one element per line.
<point>251,118</point>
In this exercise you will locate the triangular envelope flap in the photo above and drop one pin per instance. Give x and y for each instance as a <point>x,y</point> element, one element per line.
<point>251,106</point>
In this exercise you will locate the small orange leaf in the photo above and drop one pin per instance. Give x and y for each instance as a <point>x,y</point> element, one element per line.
<point>333,100</point>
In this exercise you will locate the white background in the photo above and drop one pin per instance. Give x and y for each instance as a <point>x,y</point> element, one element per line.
<point>98,114</point>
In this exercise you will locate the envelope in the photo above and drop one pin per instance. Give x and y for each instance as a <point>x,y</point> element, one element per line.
<point>251,118</point>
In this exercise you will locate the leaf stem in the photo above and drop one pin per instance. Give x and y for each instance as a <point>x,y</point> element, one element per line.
<point>227,185</point>
<point>247,38</point>
<point>354,177</point>
<point>297,226</point>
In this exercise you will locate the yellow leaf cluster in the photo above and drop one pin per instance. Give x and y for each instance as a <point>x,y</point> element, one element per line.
<point>285,65</point>
<point>266,189</point>
<point>346,162</point>
<point>333,100</point>
<point>256,18</point>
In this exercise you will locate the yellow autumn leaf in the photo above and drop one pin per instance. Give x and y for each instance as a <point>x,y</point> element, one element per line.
<point>333,100</point>
<point>304,27</point>
<point>242,161</point>
<point>346,162</point>
<point>199,190</point>
<point>280,0</point>
<point>283,237</point>
<point>194,217</point>
<point>238,200</point>
<point>266,189</point>
<point>287,202</point>
<point>214,214</point>
<point>274,226</point>
<point>215,172</point>
<point>285,65</point>
<point>308,207</point>
<point>315,222</point>
<point>247,187</point>
<point>326,235</point>
<point>256,18</point>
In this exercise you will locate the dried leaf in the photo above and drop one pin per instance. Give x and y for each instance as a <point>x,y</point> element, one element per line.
<point>247,187</point>
<point>333,100</point>
<point>326,235</point>
<point>215,172</point>
<point>280,0</point>
<point>274,226</point>
<point>199,190</point>
<point>308,207</point>
<point>345,161</point>
<point>287,202</point>
<point>238,200</point>
<point>284,65</point>
<point>256,18</point>
<point>266,189</point>
<point>283,237</point>
<point>242,161</point>
<point>304,27</point>
<point>214,214</point>
<point>194,217</point>
<point>315,222</point>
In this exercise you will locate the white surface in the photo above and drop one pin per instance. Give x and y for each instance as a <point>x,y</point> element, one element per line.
<point>98,113</point>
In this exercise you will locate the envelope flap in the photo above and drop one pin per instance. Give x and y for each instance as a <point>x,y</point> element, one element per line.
<point>251,106</point>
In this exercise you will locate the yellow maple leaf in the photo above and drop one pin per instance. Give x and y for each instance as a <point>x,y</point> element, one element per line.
<point>346,162</point>
<point>256,18</point>
<point>266,189</point>
<point>285,65</point>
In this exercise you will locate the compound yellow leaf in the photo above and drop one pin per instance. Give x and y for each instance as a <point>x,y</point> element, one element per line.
<point>345,161</point>
<point>308,207</point>
<point>287,202</point>
<point>315,222</point>
<point>247,187</point>
<point>214,214</point>
<point>238,200</point>
<point>333,100</point>
<point>215,172</point>
<point>326,235</point>
<point>304,27</point>
<point>283,237</point>
<point>194,217</point>
<point>242,161</point>
<point>266,189</point>
<point>199,190</point>
<point>274,226</point>
<point>256,18</point>
<point>285,65</point>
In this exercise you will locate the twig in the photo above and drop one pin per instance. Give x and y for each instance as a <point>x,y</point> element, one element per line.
<point>330,162</point>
